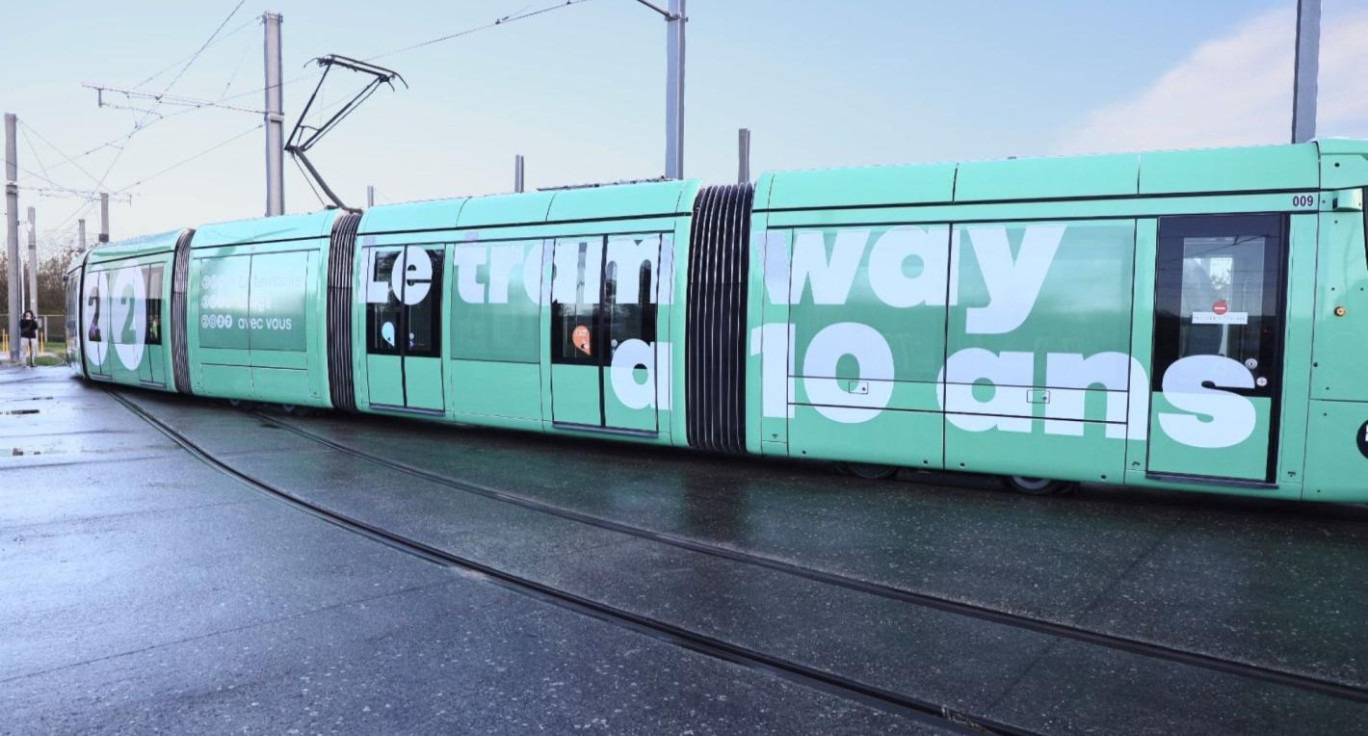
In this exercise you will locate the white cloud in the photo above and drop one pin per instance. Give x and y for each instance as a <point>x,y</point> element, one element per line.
<point>1237,90</point>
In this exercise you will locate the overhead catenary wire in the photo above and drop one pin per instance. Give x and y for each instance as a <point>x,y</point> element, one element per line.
<point>190,158</point>
<point>504,20</point>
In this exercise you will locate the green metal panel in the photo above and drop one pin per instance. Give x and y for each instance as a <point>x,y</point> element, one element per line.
<point>1230,169</point>
<point>1050,288</point>
<point>385,379</point>
<point>505,209</point>
<point>229,381</point>
<point>1336,467</point>
<point>283,385</point>
<point>756,317</point>
<point>872,186</point>
<point>616,414</point>
<point>1246,460</point>
<point>773,343</point>
<point>622,201</point>
<point>1296,375</point>
<point>222,286</point>
<point>423,383</point>
<point>266,230</point>
<point>511,390</point>
<point>1341,282</point>
<point>1092,455</point>
<point>575,394</point>
<point>903,438</point>
<point>277,313</point>
<point>1048,178</point>
<point>495,301</point>
<point>434,215</point>
<point>1142,349</point>
<point>1198,204</point>
<point>157,243</point>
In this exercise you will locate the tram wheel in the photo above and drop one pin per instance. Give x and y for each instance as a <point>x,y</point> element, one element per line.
<point>1037,486</point>
<point>869,471</point>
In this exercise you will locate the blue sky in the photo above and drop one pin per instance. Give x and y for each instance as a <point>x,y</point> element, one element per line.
<point>580,91</point>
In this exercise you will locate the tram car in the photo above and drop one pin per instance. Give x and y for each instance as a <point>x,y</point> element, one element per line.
<point>1190,320</point>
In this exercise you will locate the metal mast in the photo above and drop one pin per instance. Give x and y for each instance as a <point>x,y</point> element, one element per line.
<point>1306,70</point>
<point>275,119</point>
<point>12,228</point>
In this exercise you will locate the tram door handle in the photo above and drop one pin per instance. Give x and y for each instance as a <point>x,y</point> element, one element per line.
<point>1038,396</point>
<point>857,387</point>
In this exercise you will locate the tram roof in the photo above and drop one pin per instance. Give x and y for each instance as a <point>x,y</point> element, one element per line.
<point>1158,173</point>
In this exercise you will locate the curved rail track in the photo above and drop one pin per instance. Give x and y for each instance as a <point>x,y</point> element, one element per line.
<point>711,646</point>
<point>1076,633</point>
<point>933,714</point>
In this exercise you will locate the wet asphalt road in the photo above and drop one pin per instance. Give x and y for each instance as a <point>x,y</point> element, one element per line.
<point>134,558</point>
<point>144,592</point>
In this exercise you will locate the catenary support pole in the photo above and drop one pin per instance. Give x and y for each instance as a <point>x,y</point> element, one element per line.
<point>80,233</point>
<point>743,155</point>
<point>275,119</point>
<point>1306,70</point>
<point>33,261</point>
<point>518,173</point>
<point>104,217</point>
<point>12,229</point>
<point>370,196</point>
<point>674,90</point>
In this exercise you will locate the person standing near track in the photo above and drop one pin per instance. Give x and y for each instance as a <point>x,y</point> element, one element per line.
<point>28,332</point>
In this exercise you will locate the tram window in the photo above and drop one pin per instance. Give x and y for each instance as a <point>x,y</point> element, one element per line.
<point>574,324</point>
<point>152,279</point>
<point>630,320</point>
<point>93,333</point>
<point>424,319</point>
<point>382,318</point>
<point>1218,292</point>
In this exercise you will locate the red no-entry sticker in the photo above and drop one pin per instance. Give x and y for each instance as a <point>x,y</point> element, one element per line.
<point>1220,308</point>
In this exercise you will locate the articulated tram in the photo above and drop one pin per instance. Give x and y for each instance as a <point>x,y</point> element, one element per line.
<point>1190,319</point>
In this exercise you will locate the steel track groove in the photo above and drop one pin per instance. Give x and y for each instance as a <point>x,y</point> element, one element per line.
<point>924,711</point>
<point>1111,641</point>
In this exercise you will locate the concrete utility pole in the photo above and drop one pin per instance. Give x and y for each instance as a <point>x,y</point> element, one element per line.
<point>275,119</point>
<point>1306,71</point>
<point>80,233</point>
<point>518,173</point>
<point>33,262</point>
<point>675,18</point>
<point>12,228</point>
<point>743,155</point>
<point>104,217</point>
<point>674,90</point>
<point>370,196</point>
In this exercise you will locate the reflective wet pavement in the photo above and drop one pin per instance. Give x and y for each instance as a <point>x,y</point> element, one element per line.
<point>1278,586</point>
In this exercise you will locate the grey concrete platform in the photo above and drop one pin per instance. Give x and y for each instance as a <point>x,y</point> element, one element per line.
<point>141,591</point>
<point>1274,585</point>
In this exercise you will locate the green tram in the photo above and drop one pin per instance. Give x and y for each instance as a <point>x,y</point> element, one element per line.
<point>1191,319</point>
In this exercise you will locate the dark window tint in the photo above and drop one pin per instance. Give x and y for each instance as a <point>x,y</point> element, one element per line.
<point>152,281</point>
<point>575,337</point>
<point>629,319</point>
<point>424,319</point>
<point>383,328</point>
<point>1218,291</point>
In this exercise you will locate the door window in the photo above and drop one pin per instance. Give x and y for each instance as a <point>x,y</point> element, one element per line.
<point>1218,292</point>
<point>382,316</point>
<point>422,303</point>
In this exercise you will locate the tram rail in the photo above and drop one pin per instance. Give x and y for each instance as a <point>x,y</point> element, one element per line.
<point>1054,628</point>
<point>928,712</point>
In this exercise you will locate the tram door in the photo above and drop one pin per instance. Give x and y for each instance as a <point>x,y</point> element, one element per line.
<point>404,327</point>
<point>603,332</point>
<point>1216,376</point>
